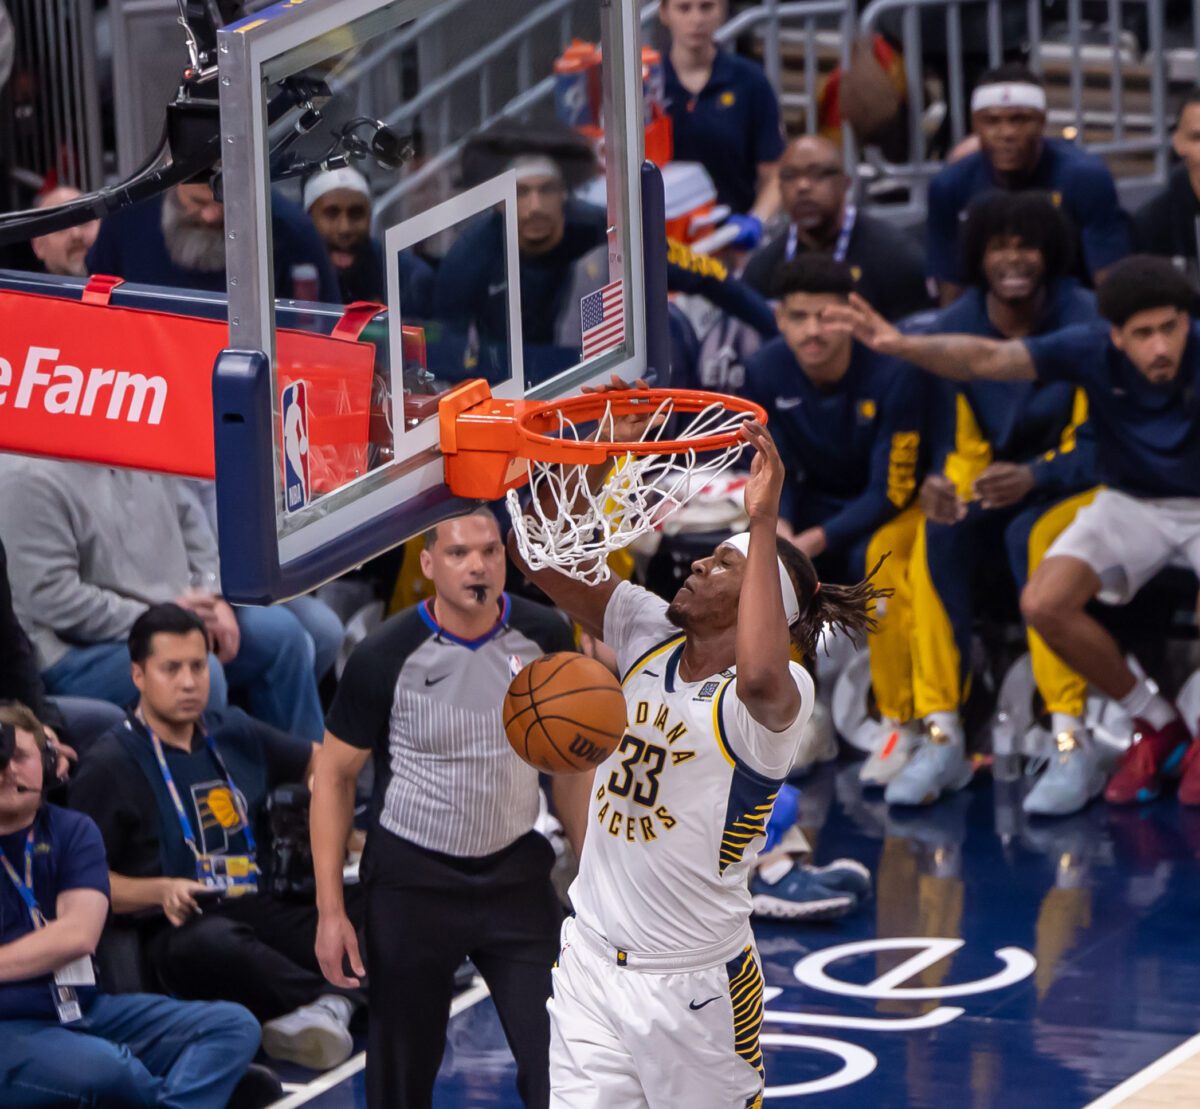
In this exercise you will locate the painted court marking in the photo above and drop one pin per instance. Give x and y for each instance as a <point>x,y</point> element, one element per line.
<point>472,995</point>
<point>1148,1077</point>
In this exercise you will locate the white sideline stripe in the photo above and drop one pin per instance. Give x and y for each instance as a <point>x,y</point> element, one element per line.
<point>472,995</point>
<point>1143,1078</point>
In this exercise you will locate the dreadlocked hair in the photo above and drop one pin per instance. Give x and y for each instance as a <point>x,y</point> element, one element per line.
<point>846,608</point>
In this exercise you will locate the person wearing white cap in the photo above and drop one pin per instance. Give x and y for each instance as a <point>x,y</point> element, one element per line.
<point>338,201</point>
<point>1008,113</point>
<point>659,962</point>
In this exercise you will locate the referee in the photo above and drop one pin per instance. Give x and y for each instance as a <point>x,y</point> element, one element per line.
<point>452,865</point>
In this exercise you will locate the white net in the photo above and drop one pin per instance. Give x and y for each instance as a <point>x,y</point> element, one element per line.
<point>568,526</point>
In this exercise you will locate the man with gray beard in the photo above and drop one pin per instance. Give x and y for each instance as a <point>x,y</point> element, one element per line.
<point>178,239</point>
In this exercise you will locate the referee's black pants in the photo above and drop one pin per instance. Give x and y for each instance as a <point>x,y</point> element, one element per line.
<point>425,913</point>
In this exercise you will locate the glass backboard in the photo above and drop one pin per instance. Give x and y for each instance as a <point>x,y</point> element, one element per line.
<point>500,143</point>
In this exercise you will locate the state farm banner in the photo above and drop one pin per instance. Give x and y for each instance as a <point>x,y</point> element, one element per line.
<point>128,387</point>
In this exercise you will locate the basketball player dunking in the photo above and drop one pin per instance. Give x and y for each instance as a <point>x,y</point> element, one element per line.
<point>657,996</point>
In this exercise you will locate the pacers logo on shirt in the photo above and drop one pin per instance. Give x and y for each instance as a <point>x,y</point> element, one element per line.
<point>220,816</point>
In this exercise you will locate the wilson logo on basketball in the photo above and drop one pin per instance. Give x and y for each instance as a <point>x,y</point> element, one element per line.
<point>585,749</point>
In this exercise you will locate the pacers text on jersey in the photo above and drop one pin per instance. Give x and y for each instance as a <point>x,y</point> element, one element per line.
<point>636,779</point>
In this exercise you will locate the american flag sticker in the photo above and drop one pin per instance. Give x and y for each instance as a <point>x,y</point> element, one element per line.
<point>603,316</point>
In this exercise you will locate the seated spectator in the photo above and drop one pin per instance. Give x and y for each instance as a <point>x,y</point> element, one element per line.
<point>887,264</point>
<point>1008,112</point>
<point>80,719</point>
<point>1140,370</point>
<point>179,796</point>
<point>724,114</point>
<point>1167,223</point>
<point>178,239</point>
<point>554,233</point>
<point>64,252</point>
<point>321,624</point>
<point>62,1040</point>
<point>1012,463</point>
<point>91,547</point>
<point>848,427</point>
<point>338,202</point>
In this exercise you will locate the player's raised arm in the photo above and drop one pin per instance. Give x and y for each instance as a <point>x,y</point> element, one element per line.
<point>584,603</point>
<point>957,357</point>
<point>765,683</point>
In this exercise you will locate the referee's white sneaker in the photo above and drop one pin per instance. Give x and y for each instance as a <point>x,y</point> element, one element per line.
<point>316,1036</point>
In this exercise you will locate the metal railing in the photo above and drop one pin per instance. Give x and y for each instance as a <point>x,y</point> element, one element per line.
<point>477,68</point>
<point>817,28</point>
<point>55,112</point>
<point>1149,137</point>
<point>812,17</point>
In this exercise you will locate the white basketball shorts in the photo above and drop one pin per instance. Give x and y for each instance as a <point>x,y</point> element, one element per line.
<point>1127,540</point>
<point>628,1038</point>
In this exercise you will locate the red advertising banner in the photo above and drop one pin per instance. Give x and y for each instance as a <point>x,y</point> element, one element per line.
<point>128,387</point>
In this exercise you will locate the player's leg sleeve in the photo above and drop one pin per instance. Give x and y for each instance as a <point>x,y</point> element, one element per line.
<point>1028,537</point>
<point>890,644</point>
<point>940,574</point>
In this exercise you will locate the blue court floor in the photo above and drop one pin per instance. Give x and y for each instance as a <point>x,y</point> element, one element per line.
<point>1002,962</point>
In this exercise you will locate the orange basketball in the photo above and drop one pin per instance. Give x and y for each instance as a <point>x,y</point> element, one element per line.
<point>564,713</point>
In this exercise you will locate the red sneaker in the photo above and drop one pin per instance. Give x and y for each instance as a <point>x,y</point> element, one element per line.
<point>1189,780</point>
<point>1154,752</point>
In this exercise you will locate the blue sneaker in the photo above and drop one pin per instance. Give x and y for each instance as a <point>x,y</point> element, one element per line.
<point>1072,778</point>
<point>938,766</point>
<point>800,894</point>
<point>846,876</point>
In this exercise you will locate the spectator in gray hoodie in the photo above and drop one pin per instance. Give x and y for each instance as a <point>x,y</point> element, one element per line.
<point>91,547</point>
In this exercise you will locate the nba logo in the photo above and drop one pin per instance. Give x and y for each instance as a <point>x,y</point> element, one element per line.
<point>293,406</point>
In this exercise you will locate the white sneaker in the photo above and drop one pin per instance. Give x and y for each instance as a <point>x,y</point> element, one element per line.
<point>896,745</point>
<point>316,1036</point>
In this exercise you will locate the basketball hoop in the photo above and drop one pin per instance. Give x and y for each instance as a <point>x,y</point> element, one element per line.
<point>493,447</point>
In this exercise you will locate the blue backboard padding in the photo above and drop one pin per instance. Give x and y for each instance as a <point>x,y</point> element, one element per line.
<point>654,253</point>
<point>250,569</point>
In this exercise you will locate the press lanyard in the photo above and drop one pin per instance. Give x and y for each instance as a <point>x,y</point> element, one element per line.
<point>849,215</point>
<point>25,888</point>
<point>79,972</point>
<point>180,811</point>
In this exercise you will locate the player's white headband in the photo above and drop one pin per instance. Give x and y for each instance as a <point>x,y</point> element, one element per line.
<point>791,606</point>
<point>345,178</point>
<point>1009,94</point>
<point>535,165</point>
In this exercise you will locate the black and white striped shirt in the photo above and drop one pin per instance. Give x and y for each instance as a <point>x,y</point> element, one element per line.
<point>428,704</point>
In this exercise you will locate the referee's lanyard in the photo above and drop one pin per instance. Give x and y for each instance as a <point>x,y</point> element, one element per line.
<point>849,215</point>
<point>235,874</point>
<point>78,972</point>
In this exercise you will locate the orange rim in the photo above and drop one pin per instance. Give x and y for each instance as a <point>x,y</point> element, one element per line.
<point>537,419</point>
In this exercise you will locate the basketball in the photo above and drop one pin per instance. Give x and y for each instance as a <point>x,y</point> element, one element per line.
<point>564,713</point>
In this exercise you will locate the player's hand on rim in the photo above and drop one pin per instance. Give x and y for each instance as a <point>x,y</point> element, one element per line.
<point>856,317</point>
<point>766,473</point>
<point>624,428</point>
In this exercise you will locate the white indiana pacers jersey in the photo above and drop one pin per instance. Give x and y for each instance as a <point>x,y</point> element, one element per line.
<point>678,813</point>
